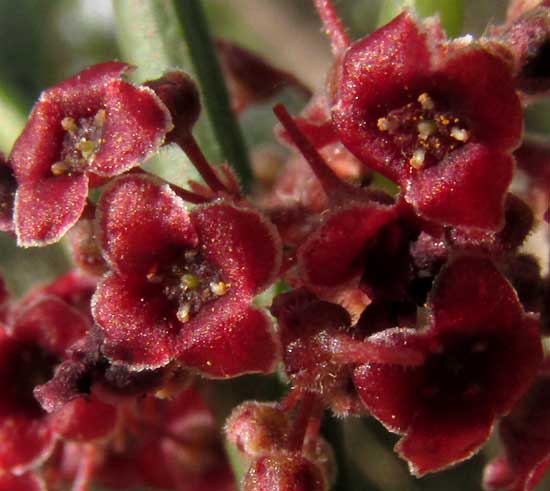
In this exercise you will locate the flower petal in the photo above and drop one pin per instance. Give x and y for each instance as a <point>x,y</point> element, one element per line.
<point>26,441</point>
<point>26,482</point>
<point>375,69</point>
<point>243,244</point>
<point>50,323</point>
<point>138,331</point>
<point>467,188</point>
<point>46,209</point>
<point>437,440</point>
<point>85,419</point>
<point>334,254</point>
<point>135,126</point>
<point>483,84</point>
<point>229,338</point>
<point>470,294</point>
<point>389,392</point>
<point>141,220</point>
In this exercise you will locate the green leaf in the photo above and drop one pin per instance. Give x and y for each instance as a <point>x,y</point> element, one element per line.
<point>150,37</point>
<point>215,95</point>
<point>13,120</point>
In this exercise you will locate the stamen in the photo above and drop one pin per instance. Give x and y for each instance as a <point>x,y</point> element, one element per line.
<point>100,117</point>
<point>69,124</point>
<point>426,102</point>
<point>417,159</point>
<point>426,129</point>
<point>86,148</point>
<point>190,281</point>
<point>383,124</point>
<point>183,312</point>
<point>220,288</point>
<point>59,168</point>
<point>460,134</point>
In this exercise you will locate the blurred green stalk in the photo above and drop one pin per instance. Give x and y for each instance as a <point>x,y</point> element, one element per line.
<point>13,120</point>
<point>451,12</point>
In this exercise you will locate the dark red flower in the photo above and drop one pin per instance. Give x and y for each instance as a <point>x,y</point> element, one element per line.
<point>482,352</point>
<point>525,435</point>
<point>181,283</point>
<point>35,342</point>
<point>438,118</point>
<point>89,127</point>
<point>163,444</point>
<point>321,348</point>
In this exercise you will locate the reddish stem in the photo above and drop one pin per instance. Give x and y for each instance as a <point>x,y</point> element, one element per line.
<point>329,180</point>
<point>301,421</point>
<point>339,39</point>
<point>189,196</point>
<point>346,350</point>
<point>189,145</point>
<point>291,399</point>
<point>84,474</point>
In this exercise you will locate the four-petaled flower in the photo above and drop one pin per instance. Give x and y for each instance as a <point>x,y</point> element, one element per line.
<point>181,283</point>
<point>88,128</point>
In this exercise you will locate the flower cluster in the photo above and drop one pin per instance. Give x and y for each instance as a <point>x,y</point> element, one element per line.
<point>411,301</point>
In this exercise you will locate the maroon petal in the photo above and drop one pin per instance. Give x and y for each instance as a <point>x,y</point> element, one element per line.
<point>484,86</point>
<point>470,294</point>
<point>141,220</point>
<point>334,254</point>
<point>26,442</point>
<point>26,482</point>
<point>137,329</point>
<point>92,78</point>
<point>46,209</point>
<point>39,145</point>
<point>229,338</point>
<point>375,69</point>
<point>243,244</point>
<point>467,188</point>
<point>85,419</point>
<point>135,126</point>
<point>437,439</point>
<point>391,393</point>
<point>50,323</point>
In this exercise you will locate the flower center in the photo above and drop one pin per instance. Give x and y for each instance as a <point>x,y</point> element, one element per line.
<point>189,282</point>
<point>30,365</point>
<point>457,371</point>
<point>82,140</point>
<point>424,131</point>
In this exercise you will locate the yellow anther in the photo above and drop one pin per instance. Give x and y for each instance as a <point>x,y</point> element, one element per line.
<point>190,281</point>
<point>426,101</point>
<point>426,128</point>
<point>69,124</point>
<point>183,312</point>
<point>417,159</point>
<point>220,288</point>
<point>59,168</point>
<point>99,118</point>
<point>460,134</point>
<point>383,124</point>
<point>86,147</point>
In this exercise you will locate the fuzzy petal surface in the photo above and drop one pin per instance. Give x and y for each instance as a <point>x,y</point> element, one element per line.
<point>137,330</point>
<point>467,188</point>
<point>229,338</point>
<point>46,209</point>
<point>241,243</point>
<point>140,222</point>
